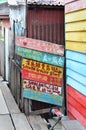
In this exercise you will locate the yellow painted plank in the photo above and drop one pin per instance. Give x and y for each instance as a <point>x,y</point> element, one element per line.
<point>76,36</point>
<point>76,46</point>
<point>76,16</point>
<point>77,26</point>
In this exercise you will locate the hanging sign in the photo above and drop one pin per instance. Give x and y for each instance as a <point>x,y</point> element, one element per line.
<point>40,45</point>
<point>41,87</point>
<point>39,77</point>
<point>42,68</point>
<point>40,56</point>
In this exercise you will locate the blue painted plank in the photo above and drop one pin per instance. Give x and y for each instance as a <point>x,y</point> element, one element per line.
<point>76,66</point>
<point>76,76</point>
<point>43,97</point>
<point>40,56</point>
<point>76,56</point>
<point>79,87</point>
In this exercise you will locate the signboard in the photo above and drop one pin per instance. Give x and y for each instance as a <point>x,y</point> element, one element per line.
<point>42,68</point>
<point>43,97</point>
<point>40,45</point>
<point>41,87</point>
<point>39,77</point>
<point>40,56</point>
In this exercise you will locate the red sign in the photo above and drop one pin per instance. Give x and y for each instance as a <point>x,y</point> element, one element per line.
<point>42,68</point>
<point>32,75</point>
<point>40,45</point>
<point>41,87</point>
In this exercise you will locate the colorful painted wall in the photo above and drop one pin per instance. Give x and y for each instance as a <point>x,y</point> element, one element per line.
<point>75,19</point>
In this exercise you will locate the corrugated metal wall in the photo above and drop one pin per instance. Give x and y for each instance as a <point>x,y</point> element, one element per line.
<point>76,59</point>
<point>46,24</point>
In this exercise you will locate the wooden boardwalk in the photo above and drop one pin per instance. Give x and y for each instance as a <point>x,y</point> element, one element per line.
<point>11,118</point>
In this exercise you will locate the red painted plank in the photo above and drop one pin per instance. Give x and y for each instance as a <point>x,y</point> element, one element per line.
<point>41,87</point>
<point>42,68</point>
<point>81,99</point>
<point>71,117</point>
<point>76,105</point>
<point>40,45</point>
<point>76,5</point>
<point>32,75</point>
<point>77,115</point>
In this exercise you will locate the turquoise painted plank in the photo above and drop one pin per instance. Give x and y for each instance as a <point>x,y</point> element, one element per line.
<point>76,66</point>
<point>43,97</point>
<point>40,56</point>
<point>79,87</point>
<point>76,76</point>
<point>76,56</point>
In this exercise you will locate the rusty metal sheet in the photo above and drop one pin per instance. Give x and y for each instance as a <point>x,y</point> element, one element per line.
<point>41,87</point>
<point>42,68</point>
<point>39,77</point>
<point>40,45</point>
<point>40,56</point>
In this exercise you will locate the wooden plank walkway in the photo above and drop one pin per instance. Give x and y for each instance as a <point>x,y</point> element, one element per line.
<point>11,118</point>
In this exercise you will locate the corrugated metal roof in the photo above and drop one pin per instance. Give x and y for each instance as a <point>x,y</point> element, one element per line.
<point>46,2</point>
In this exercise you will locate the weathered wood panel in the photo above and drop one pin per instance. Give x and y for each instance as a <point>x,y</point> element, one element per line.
<point>79,15</point>
<point>42,68</point>
<point>3,107</point>
<point>40,45</point>
<point>77,46</point>
<point>6,123</point>
<point>32,75</point>
<point>40,56</point>
<point>43,97</point>
<point>71,5</point>
<point>72,125</point>
<point>11,104</point>
<point>41,87</point>
<point>37,123</point>
<point>20,122</point>
<point>76,105</point>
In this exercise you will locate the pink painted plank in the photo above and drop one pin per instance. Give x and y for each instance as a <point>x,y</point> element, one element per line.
<point>75,5</point>
<point>81,99</point>
<point>32,75</point>
<point>40,45</point>
<point>77,115</point>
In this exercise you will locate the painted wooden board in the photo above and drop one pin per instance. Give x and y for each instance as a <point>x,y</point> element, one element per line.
<point>80,98</point>
<point>32,75</point>
<point>80,108</point>
<point>40,45</point>
<point>3,106</point>
<point>76,85</point>
<point>76,26</point>
<point>5,122</point>
<point>42,68</point>
<point>72,125</point>
<point>43,97</point>
<point>76,76</point>
<point>20,122</point>
<point>75,16</point>
<point>72,6</point>
<point>77,115</point>
<point>76,66</point>
<point>40,56</point>
<point>10,102</point>
<point>76,56</point>
<point>41,87</point>
<point>76,36</point>
<point>76,46</point>
<point>37,123</point>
